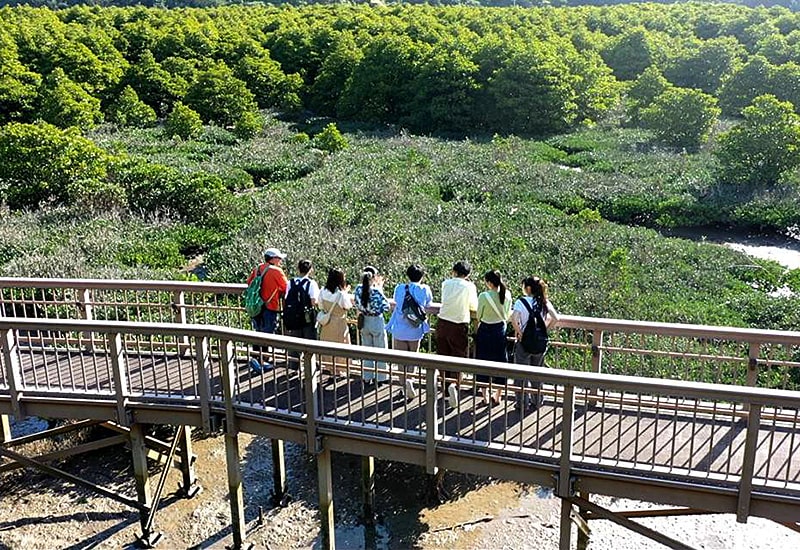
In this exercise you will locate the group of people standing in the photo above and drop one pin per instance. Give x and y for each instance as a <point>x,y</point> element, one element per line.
<point>460,301</point>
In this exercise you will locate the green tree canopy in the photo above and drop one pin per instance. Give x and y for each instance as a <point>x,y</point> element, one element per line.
<point>65,103</point>
<point>219,97</point>
<point>764,146</point>
<point>128,110</point>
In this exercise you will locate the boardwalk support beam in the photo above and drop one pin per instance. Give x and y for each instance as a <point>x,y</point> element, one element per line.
<point>37,465</point>
<point>600,512</point>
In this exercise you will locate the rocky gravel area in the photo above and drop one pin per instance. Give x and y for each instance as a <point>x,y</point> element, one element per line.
<point>38,512</point>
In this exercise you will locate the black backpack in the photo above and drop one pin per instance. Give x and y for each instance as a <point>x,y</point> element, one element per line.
<point>298,312</point>
<point>411,310</point>
<point>534,336</point>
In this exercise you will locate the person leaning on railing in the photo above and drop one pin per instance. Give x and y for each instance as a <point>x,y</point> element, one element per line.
<point>405,335</point>
<point>273,288</point>
<point>371,304</point>
<point>494,308</point>
<point>459,300</point>
<point>334,301</point>
<point>534,292</point>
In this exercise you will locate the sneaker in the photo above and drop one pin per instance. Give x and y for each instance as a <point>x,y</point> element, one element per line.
<point>266,366</point>
<point>452,393</point>
<point>411,391</point>
<point>255,366</point>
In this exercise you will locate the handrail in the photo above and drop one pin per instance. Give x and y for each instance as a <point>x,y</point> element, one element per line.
<point>566,321</point>
<point>589,380</point>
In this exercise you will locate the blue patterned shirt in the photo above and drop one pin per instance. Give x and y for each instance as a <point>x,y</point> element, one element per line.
<point>377,304</point>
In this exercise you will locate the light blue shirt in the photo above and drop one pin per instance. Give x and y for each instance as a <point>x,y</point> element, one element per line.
<point>398,325</point>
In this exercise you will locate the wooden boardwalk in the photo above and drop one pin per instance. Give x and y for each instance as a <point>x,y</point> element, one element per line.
<point>651,438</point>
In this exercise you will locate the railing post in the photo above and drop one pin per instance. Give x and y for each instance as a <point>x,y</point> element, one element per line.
<point>179,316</point>
<point>203,358</point>
<point>119,372</point>
<point>232,458</point>
<point>748,462</point>
<point>86,312</point>
<point>312,394</point>
<point>565,465</point>
<point>13,371</point>
<point>597,359</point>
<point>431,421</point>
<point>85,307</point>
<point>752,363</point>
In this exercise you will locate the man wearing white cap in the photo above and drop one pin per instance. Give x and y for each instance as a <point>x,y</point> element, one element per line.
<point>273,288</point>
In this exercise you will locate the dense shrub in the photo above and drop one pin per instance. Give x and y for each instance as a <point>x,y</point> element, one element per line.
<point>330,139</point>
<point>681,117</point>
<point>39,162</point>
<point>183,122</point>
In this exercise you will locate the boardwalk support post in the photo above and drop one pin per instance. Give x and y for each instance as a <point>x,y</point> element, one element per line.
<point>148,538</point>
<point>232,458</point>
<point>564,482</point>
<point>5,428</point>
<point>279,487</point>
<point>368,488</point>
<point>190,487</point>
<point>582,521</point>
<point>325,480</point>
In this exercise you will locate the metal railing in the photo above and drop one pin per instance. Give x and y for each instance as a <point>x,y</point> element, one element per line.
<point>722,437</point>
<point>745,357</point>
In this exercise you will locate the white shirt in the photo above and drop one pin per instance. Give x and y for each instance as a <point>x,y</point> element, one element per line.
<point>459,298</point>
<point>313,288</point>
<point>337,297</point>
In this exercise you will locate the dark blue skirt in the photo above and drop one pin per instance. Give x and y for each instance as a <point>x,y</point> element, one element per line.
<point>490,345</point>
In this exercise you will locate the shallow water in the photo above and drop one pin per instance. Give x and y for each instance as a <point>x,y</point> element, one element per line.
<point>784,249</point>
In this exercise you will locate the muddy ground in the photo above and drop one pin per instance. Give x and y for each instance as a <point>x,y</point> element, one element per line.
<point>39,512</point>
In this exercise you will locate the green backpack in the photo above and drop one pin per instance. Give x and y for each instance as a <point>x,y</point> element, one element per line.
<point>253,302</point>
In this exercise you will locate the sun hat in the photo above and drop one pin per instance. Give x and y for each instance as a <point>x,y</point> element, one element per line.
<point>273,253</point>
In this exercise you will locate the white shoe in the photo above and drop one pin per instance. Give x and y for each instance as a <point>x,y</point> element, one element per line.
<point>411,391</point>
<point>452,393</point>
